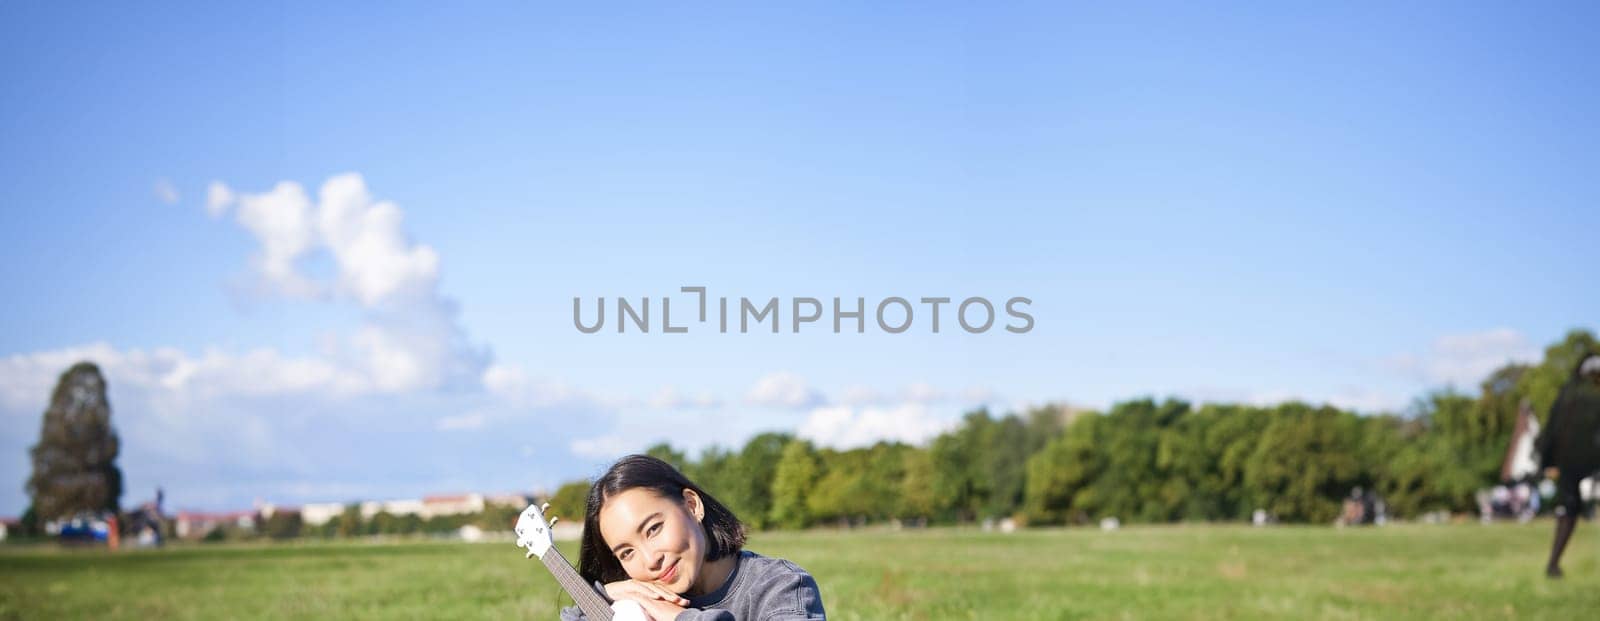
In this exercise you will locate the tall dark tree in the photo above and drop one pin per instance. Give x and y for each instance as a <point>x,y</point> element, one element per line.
<point>75,461</point>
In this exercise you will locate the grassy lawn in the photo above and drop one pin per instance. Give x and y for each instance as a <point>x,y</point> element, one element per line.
<point>1182,572</point>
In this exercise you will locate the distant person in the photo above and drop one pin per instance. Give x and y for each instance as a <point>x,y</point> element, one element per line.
<point>1500,500</point>
<point>1353,511</point>
<point>652,536</point>
<point>1525,502</point>
<point>1570,446</point>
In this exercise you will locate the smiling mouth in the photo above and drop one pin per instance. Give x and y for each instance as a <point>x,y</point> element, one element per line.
<point>669,574</point>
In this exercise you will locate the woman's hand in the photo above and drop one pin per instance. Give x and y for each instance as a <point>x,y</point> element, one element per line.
<point>645,593</point>
<point>661,610</point>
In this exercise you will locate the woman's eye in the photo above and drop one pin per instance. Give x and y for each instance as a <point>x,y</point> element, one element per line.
<point>653,529</point>
<point>624,556</point>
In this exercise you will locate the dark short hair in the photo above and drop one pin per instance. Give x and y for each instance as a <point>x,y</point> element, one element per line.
<point>724,532</point>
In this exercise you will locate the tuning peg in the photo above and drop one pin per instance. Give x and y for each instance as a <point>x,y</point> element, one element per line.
<point>553,521</point>
<point>544,507</point>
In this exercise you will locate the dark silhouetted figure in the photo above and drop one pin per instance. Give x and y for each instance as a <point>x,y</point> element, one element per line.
<point>1571,445</point>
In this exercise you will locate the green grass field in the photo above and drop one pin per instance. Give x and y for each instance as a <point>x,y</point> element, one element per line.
<point>1176,572</point>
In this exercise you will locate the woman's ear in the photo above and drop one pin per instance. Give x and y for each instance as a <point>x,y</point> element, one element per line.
<point>692,501</point>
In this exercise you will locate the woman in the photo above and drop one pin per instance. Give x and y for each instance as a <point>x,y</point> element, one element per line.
<point>652,536</point>
<point>1570,445</point>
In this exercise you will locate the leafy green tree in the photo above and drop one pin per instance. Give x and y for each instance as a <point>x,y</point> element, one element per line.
<point>834,493</point>
<point>1414,470</point>
<point>666,453</point>
<point>570,500</point>
<point>858,485</point>
<point>959,465</point>
<point>793,479</point>
<point>1130,484</point>
<point>1061,474</point>
<point>1004,458</point>
<point>350,522</point>
<point>30,522</point>
<point>717,472</point>
<point>282,525</point>
<point>916,487</point>
<point>883,480</point>
<point>1542,383</point>
<point>1208,450</point>
<point>1466,445</point>
<point>1044,423</point>
<point>382,523</point>
<point>750,493</point>
<point>1305,463</point>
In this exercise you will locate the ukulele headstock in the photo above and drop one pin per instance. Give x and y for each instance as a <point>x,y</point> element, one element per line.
<point>533,531</point>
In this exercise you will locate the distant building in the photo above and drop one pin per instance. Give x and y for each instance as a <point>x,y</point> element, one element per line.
<point>196,524</point>
<point>452,505</point>
<point>515,499</point>
<point>393,507</point>
<point>319,513</point>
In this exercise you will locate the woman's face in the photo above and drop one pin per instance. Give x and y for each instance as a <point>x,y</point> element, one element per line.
<point>656,539</point>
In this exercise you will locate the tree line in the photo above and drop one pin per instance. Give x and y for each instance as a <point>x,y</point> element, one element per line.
<point>1143,460</point>
<point>289,524</point>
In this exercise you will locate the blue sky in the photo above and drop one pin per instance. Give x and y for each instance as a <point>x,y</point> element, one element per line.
<point>1346,204</point>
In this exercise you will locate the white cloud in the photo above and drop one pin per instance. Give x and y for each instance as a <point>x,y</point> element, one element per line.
<point>411,345</point>
<point>376,362</point>
<point>923,392</point>
<point>460,422</point>
<point>610,446</point>
<point>27,379</point>
<point>180,410</point>
<point>166,192</point>
<point>1464,360</point>
<point>783,390</point>
<point>1368,400</point>
<point>512,385</point>
<point>860,395</point>
<point>1459,360</point>
<point>376,261</point>
<point>845,427</point>
<point>420,347</point>
<point>410,338</point>
<point>920,392</point>
<point>237,422</point>
<point>220,428</point>
<point>377,265</point>
<point>218,199</point>
<point>1359,399</point>
<point>979,395</point>
<point>669,398</point>
<point>280,220</point>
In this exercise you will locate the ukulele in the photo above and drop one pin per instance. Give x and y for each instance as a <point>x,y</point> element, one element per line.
<point>533,533</point>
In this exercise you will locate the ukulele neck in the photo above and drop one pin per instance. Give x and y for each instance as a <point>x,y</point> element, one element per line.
<point>593,605</point>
